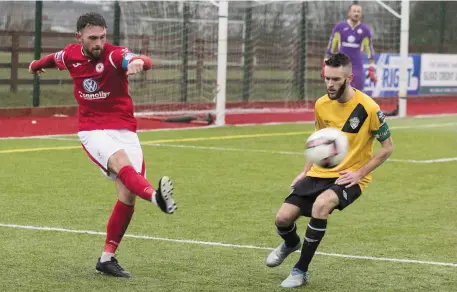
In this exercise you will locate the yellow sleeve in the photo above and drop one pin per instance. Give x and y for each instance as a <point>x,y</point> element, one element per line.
<point>318,123</point>
<point>367,47</point>
<point>334,43</point>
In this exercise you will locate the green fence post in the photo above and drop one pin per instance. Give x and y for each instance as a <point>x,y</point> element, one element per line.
<point>36,78</point>
<point>185,52</point>
<point>301,82</point>
<point>248,55</point>
<point>117,24</point>
<point>442,24</point>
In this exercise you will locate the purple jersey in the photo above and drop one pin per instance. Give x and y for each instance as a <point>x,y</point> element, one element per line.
<point>351,42</point>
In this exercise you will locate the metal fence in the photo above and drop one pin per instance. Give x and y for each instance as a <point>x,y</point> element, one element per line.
<point>275,48</point>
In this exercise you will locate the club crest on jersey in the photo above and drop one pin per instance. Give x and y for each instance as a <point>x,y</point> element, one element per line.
<point>359,31</point>
<point>354,122</point>
<point>99,67</point>
<point>90,85</point>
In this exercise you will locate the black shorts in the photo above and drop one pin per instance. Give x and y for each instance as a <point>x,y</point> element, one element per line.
<point>306,191</point>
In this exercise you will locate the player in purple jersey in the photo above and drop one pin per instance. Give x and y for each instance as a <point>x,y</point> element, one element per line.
<point>352,37</point>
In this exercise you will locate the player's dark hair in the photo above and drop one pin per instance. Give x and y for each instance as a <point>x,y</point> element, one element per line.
<point>338,60</point>
<point>354,4</point>
<point>90,19</point>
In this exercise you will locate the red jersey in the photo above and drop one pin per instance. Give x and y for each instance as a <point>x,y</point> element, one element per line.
<point>100,87</point>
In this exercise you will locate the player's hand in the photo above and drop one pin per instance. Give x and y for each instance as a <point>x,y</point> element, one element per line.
<point>135,66</point>
<point>299,177</point>
<point>351,178</point>
<point>372,74</point>
<point>322,69</point>
<point>38,72</point>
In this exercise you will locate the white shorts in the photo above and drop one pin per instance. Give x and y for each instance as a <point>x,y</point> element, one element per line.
<point>101,144</point>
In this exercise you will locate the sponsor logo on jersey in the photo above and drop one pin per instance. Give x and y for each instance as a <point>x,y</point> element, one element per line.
<point>354,122</point>
<point>76,65</point>
<point>90,85</point>
<point>351,38</point>
<point>99,67</point>
<point>350,45</point>
<point>97,95</point>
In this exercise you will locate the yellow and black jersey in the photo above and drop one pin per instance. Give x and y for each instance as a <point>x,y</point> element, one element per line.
<point>361,120</point>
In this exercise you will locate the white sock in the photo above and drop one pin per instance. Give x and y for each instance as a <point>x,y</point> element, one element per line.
<point>106,257</point>
<point>154,201</point>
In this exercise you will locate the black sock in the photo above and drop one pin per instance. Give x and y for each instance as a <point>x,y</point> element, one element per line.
<point>289,234</point>
<point>314,234</point>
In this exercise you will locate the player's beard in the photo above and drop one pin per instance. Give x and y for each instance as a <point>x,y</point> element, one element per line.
<point>339,93</point>
<point>95,54</point>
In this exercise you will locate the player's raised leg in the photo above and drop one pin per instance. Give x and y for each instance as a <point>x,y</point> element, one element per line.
<point>135,182</point>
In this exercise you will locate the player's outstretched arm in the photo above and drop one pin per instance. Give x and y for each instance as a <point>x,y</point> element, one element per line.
<point>138,64</point>
<point>38,66</point>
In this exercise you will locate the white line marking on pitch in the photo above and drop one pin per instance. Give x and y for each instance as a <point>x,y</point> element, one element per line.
<point>198,242</point>
<point>439,160</point>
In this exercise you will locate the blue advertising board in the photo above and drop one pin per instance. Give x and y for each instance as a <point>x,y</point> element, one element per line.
<point>388,72</point>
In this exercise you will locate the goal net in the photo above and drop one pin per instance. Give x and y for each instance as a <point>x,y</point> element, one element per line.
<point>274,53</point>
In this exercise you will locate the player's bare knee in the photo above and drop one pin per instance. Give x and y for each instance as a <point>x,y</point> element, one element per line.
<point>118,160</point>
<point>324,204</point>
<point>123,194</point>
<point>127,198</point>
<point>287,215</point>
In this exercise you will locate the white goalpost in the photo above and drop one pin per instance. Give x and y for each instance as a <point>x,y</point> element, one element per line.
<point>222,63</point>
<point>404,43</point>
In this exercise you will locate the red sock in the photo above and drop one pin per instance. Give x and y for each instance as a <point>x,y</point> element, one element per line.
<point>136,183</point>
<point>117,225</point>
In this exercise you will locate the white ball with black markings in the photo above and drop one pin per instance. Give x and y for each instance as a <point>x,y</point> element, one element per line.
<point>327,147</point>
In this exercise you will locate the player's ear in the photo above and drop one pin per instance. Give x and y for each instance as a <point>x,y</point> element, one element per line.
<point>78,36</point>
<point>350,77</point>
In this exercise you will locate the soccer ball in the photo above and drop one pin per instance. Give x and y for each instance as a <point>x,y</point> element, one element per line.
<point>326,147</point>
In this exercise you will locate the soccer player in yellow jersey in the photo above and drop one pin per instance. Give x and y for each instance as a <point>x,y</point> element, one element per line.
<point>317,191</point>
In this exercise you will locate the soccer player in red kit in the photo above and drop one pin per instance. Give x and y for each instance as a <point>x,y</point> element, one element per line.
<point>107,127</point>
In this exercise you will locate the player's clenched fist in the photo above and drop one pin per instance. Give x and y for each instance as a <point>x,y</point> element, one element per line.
<point>135,66</point>
<point>35,70</point>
